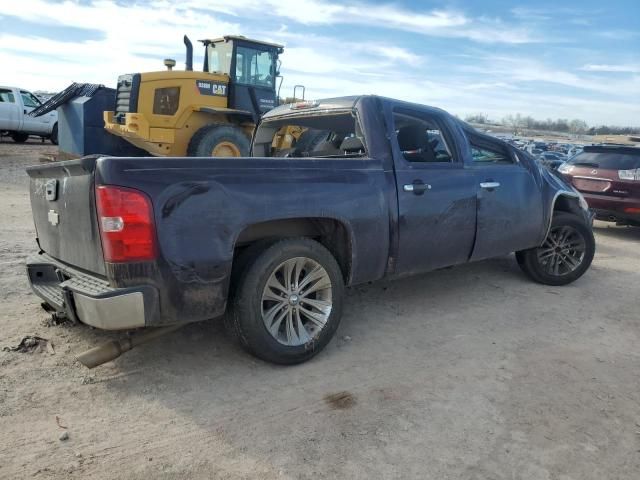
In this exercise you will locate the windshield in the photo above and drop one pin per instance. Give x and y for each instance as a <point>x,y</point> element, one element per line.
<point>219,56</point>
<point>607,160</point>
<point>255,67</point>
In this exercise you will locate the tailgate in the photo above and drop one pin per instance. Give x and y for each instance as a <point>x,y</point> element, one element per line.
<point>63,207</point>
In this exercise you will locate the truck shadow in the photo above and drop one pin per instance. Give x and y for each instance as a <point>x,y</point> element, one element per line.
<point>205,349</point>
<point>610,230</point>
<point>197,388</point>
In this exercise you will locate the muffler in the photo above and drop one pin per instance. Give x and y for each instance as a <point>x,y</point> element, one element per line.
<point>113,349</point>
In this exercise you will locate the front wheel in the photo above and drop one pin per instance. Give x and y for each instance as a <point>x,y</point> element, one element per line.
<point>54,134</point>
<point>20,137</point>
<point>287,301</point>
<point>564,256</point>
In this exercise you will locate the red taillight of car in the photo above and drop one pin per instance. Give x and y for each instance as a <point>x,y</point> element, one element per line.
<point>125,217</point>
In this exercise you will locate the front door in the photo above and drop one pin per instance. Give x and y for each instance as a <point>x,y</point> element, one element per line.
<point>31,124</point>
<point>509,200</point>
<point>436,195</point>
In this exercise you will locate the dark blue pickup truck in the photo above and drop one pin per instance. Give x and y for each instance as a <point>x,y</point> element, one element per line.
<point>371,188</point>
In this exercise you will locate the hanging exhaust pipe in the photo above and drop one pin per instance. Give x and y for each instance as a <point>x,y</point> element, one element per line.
<point>113,349</point>
<point>189,59</point>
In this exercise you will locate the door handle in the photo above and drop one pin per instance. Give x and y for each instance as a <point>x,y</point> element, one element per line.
<point>417,187</point>
<point>489,185</point>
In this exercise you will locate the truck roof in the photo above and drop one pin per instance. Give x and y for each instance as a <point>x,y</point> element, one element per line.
<point>339,103</point>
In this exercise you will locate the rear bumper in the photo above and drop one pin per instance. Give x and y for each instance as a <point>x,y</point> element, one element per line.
<point>614,208</point>
<point>89,298</point>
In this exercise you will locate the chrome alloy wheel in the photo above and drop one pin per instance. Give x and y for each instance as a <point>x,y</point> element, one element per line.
<point>296,301</point>
<point>563,251</point>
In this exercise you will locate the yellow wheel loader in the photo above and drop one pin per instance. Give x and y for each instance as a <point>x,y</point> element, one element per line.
<point>191,113</point>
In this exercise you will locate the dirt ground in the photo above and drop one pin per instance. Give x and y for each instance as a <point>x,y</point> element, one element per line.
<point>467,373</point>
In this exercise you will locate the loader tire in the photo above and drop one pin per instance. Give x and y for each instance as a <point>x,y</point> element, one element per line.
<point>219,140</point>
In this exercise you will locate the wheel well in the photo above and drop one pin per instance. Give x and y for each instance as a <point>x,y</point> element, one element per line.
<point>566,203</point>
<point>331,233</point>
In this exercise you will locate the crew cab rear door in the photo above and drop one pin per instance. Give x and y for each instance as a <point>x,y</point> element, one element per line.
<point>436,194</point>
<point>510,212</point>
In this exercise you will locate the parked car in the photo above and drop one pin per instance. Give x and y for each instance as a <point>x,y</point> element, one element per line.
<point>373,188</point>
<point>15,105</point>
<point>574,150</point>
<point>552,160</point>
<point>609,178</point>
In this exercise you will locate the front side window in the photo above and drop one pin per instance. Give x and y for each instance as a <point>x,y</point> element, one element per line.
<point>7,96</point>
<point>486,156</point>
<point>421,139</point>
<point>255,67</point>
<point>29,99</point>
<point>485,151</point>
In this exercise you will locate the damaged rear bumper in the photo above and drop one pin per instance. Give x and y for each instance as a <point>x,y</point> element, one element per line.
<point>89,298</point>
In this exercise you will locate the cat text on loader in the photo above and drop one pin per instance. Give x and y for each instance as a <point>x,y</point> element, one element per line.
<point>208,113</point>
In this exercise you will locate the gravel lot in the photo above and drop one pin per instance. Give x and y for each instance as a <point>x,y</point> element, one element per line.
<point>467,373</point>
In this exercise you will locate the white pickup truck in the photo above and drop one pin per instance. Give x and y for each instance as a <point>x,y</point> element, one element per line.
<point>15,104</point>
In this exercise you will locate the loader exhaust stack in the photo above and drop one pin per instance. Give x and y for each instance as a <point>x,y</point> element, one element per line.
<point>189,60</point>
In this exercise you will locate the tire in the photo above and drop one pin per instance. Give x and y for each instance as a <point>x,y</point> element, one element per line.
<point>566,254</point>
<point>20,137</point>
<point>54,134</point>
<point>252,305</point>
<point>228,140</point>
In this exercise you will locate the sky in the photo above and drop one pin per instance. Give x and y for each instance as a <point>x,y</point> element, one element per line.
<point>548,59</point>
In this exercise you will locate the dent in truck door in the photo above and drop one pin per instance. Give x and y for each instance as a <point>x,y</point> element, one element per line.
<point>436,195</point>
<point>509,200</point>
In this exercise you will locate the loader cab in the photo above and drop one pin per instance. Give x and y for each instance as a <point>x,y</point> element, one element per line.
<point>252,67</point>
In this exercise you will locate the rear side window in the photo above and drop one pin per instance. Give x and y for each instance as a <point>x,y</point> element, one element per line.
<point>607,160</point>
<point>7,96</point>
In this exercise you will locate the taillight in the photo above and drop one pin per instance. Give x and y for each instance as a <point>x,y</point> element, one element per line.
<point>125,217</point>
<point>629,174</point>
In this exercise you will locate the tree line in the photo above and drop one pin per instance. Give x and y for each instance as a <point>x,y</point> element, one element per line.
<point>519,122</point>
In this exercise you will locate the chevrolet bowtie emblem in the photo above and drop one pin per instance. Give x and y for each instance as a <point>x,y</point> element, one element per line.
<point>53,217</point>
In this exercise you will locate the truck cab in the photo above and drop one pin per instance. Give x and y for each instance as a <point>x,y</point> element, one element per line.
<point>15,121</point>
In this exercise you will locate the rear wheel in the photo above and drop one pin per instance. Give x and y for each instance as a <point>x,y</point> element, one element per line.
<point>287,301</point>
<point>219,140</point>
<point>54,135</point>
<point>564,256</point>
<point>20,137</point>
